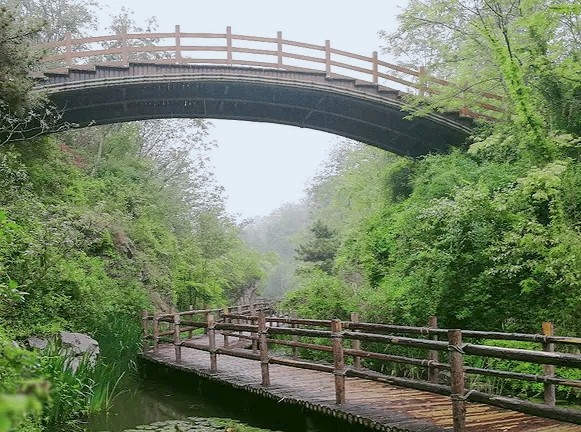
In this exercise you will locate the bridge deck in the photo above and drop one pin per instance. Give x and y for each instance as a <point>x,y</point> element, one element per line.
<point>380,406</point>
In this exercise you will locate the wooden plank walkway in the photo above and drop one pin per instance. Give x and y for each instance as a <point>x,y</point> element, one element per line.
<point>380,406</point>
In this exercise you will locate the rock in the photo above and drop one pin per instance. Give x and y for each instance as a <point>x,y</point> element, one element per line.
<point>78,345</point>
<point>34,342</point>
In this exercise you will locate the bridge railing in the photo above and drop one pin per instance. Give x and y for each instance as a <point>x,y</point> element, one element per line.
<point>251,323</point>
<point>168,327</point>
<point>232,49</point>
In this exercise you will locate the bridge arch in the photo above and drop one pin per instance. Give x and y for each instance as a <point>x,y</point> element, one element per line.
<point>343,107</point>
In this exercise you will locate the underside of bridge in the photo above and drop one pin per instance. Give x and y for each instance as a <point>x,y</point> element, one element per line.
<point>364,112</point>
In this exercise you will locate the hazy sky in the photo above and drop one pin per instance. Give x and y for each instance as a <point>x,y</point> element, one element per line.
<point>264,165</point>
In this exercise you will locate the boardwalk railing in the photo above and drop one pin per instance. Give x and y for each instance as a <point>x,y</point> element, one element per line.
<point>252,323</point>
<point>231,49</point>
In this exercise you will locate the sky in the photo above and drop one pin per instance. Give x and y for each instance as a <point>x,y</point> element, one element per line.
<point>261,165</point>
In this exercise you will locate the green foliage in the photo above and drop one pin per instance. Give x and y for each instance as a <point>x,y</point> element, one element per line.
<point>55,18</point>
<point>528,54</point>
<point>320,296</point>
<point>15,60</point>
<point>96,226</point>
<point>21,392</point>
<point>76,392</point>
<point>319,249</point>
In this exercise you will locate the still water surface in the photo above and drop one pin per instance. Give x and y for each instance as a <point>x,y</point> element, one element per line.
<point>154,400</point>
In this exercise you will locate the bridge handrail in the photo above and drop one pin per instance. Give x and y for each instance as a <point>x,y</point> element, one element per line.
<point>259,328</point>
<point>123,48</point>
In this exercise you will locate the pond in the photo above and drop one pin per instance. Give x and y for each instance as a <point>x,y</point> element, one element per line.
<point>168,395</point>
<point>154,400</point>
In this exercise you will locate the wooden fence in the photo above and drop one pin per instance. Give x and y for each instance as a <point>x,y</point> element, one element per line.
<point>251,322</point>
<point>253,51</point>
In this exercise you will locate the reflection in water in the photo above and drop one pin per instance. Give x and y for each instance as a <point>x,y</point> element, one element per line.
<point>153,401</point>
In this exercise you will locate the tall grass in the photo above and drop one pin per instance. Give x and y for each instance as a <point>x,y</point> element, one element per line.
<point>119,337</point>
<point>78,392</point>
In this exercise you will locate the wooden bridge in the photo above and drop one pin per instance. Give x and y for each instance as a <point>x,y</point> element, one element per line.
<point>243,337</point>
<point>125,77</point>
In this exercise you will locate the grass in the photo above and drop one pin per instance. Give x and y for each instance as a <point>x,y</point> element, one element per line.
<point>78,392</point>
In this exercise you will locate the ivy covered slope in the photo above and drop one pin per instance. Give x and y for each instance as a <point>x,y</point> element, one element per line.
<point>487,237</point>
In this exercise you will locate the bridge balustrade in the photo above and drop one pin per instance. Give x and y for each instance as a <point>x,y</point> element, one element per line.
<point>232,49</point>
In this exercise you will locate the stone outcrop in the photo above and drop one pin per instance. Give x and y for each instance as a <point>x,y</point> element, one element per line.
<point>78,345</point>
<point>73,345</point>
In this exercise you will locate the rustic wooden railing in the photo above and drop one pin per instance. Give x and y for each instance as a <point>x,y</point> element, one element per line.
<point>253,51</point>
<point>251,322</point>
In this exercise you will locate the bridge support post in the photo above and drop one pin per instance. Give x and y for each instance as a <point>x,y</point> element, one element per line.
<point>433,355</point>
<point>374,68</point>
<point>338,361</point>
<point>176,337</point>
<point>239,321</point>
<point>264,360</point>
<point>155,332</point>
<point>212,342</point>
<point>295,338</point>
<point>549,370</point>
<point>144,327</point>
<point>229,45</point>
<point>279,48</point>
<point>356,343</point>
<point>252,313</point>
<point>124,47</point>
<point>69,49</point>
<point>422,81</point>
<point>190,332</point>
<point>226,341</point>
<point>178,45</point>
<point>456,358</point>
<point>328,57</point>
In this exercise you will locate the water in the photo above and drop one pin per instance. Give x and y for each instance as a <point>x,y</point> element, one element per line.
<point>165,394</point>
<point>154,400</point>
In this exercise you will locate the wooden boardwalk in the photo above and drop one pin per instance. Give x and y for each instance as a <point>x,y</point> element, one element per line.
<point>374,404</point>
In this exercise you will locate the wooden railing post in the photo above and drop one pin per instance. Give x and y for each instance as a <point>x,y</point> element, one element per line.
<point>433,355</point>
<point>68,49</point>
<point>328,57</point>
<point>229,45</point>
<point>264,360</point>
<point>456,359</point>
<point>124,46</point>
<point>279,48</point>
<point>190,331</point>
<point>176,337</point>
<point>226,341</point>
<point>238,320</point>
<point>155,332</point>
<point>549,370</point>
<point>254,335</point>
<point>295,338</point>
<point>356,343</point>
<point>212,342</point>
<point>375,68</point>
<point>421,80</point>
<point>144,327</point>
<point>178,45</point>
<point>338,361</point>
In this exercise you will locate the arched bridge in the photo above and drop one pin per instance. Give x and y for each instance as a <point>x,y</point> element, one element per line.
<point>126,77</point>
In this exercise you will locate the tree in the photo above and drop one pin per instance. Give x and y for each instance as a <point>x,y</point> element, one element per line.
<point>23,113</point>
<point>320,248</point>
<point>520,49</point>
<point>55,18</point>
